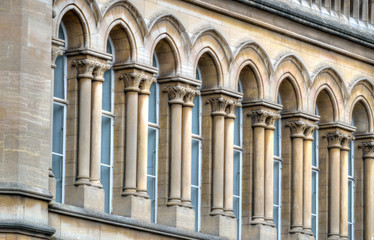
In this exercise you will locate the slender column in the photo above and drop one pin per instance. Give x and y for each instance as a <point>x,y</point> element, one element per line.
<point>368,155</point>
<point>229,158</point>
<point>142,147</point>
<point>269,166</point>
<point>85,68</point>
<point>218,112</point>
<point>347,8</point>
<point>258,122</point>
<point>176,95</point>
<point>297,135</point>
<point>334,141</point>
<point>186,145</point>
<point>307,185</point>
<point>97,92</point>
<point>132,81</point>
<point>344,186</point>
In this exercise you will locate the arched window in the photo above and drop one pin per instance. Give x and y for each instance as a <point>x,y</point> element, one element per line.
<point>107,132</point>
<point>59,120</point>
<point>196,156</point>
<point>315,172</point>
<point>153,126</point>
<point>238,152</point>
<point>351,188</point>
<point>277,185</point>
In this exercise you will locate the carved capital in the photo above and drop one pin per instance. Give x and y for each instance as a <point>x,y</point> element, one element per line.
<point>55,53</point>
<point>297,128</point>
<point>346,140</point>
<point>230,109</point>
<point>367,149</point>
<point>309,130</point>
<point>132,81</point>
<point>85,67</point>
<point>271,119</point>
<point>145,83</point>
<point>176,94</point>
<point>334,139</point>
<point>259,117</point>
<point>100,69</point>
<point>189,97</point>
<point>219,105</point>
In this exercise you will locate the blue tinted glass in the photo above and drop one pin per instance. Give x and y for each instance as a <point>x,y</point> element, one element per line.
<point>276,183</point>
<point>61,34</point>
<point>237,173</point>
<point>196,116</point>
<point>105,181</point>
<point>151,166</point>
<point>106,128</point>
<point>350,202</point>
<point>314,149</point>
<point>107,91</point>
<point>57,162</point>
<point>237,127</point>
<point>151,190</point>
<point>276,138</point>
<point>58,128</point>
<point>236,202</point>
<point>152,110</point>
<point>350,160</point>
<point>314,191</point>
<point>155,61</point>
<point>276,219</point>
<point>59,80</point>
<point>350,232</point>
<point>195,162</point>
<point>109,47</point>
<point>195,202</point>
<point>314,225</point>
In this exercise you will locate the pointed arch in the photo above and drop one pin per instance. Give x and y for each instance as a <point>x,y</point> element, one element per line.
<point>210,69</point>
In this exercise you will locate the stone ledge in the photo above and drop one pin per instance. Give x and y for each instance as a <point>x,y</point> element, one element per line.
<point>25,190</point>
<point>102,217</point>
<point>16,226</point>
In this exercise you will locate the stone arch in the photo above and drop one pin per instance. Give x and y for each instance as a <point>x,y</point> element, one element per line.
<point>326,104</point>
<point>211,72</point>
<point>78,20</point>
<point>251,60</point>
<point>328,80</point>
<point>360,106</point>
<point>168,57</point>
<point>292,69</point>
<point>289,94</point>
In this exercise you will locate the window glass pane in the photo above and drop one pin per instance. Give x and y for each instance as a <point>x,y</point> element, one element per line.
<point>276,183</point>
<point>107,91</point>
<point>276,218</point>
<point>151,189</point>
<point>314,225</point>
<point>61,34</point>
<point>151,167</point>
<point>314,192</point>
<point>109,47</point>
<point>59,86</point>
<point>350,160</point>
<point>195,162</point>
<point>236,206</point>
<point>314,149</point>
<point>237,173</point>
<point>237,127</point>
<point>195,202</point>
<point>152,110</point>
<point>57,162</point>
<point>58,128</point>
<point>105,181</point>
<point>350,202</point>
<point>276,139</point>
<point>350,232</point>
<point>106,124</point>
<point>196,116</point>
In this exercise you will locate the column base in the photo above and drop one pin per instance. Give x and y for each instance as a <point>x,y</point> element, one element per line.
<point>135,207</point>
<point>219,225</point>
<point>333,237</point>
<point>178,216</point>
<point>344,238</point>
<point>260,231</point>
<point>301,236</point>
<point>86,197</point>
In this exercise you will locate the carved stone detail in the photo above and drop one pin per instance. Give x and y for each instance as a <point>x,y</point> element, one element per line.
<point>346,140</point>
<point>132,81</point>
<point>309,130</point>
<point>367,149</point>
<point>55,53</point>
<point>334,138</point>
<point>219,105</point>
<point>271,119</point>
<point>145,83</point>
<point>297,128</point>
<point>189,97</point>
<point>230,109</point>
<point>176,94</point>
<point>99,71</point>
<point>259,117</point>
<point>85,67</point>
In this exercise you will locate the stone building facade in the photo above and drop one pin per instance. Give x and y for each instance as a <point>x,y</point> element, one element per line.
<point>186,119</point>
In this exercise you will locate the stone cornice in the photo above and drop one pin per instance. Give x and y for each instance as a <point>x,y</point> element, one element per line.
<point>338,125</point>
<point>224,91</point>
<point>32,229</point>
<point>25,190</point>
<point>135,65</point>
<point>300,114</point>
<point>369,136</point>
<point>262,103</point>
<point>90,52</point>
<point>180,79</point>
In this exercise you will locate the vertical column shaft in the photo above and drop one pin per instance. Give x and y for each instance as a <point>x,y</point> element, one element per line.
<point>334,191</point>
<point>344,193</point>
<point>229,163</point>
<point>186,152</point>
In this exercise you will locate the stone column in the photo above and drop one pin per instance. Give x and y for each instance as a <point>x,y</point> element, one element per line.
<point>97,92</point>
<point>85,68</point>
<point>307,184</point>
<point>131,81</point>
<point>368,155</point>
<point>176,96</point>
<point>186,145</point>
<point>229,158</point>
<point>297,135</point>
<point>269,165</point>
<point>344,186</point>
<point>258,122</point>
<point>218,112</point>
<point>334,141</point>
<point>142,143</point>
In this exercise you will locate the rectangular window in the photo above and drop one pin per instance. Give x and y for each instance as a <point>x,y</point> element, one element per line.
<point>196,161</point>
<point>351,187</point>
<point>152,158</point>
<point>277,183</point>
<point>315,174</point>
<point>237,193</point>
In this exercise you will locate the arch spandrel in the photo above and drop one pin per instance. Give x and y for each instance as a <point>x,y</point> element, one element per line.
<point>291,68</point>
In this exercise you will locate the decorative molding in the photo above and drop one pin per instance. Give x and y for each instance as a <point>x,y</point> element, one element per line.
<point>189,97</point>
<point>145,83</point>
<point>35,230</point>
<point>346,140</point>
<point>85,67</point>
<point>230,109</point>
<point>25,190</point>
<point>367,149</point>
<point>176,94</point>
<point>309,130</point>
<point>300,114</point>
<point>340,125</point>
<point>219,105</point>
<point>180,79</point>
<point>259,117</point>
<point>100,69</point>
<point>132,80</point>
<point>270,121</point>
<point>90,52</point>
<point>334,139</point>
<point>55,53</point>
<point>297,128</point>
<point>262,103</point>
<point>136,66</point>
<point>224,91</point>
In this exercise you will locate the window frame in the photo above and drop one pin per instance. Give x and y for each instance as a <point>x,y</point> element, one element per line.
<point>316,170</point>
<point>279,160</point>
